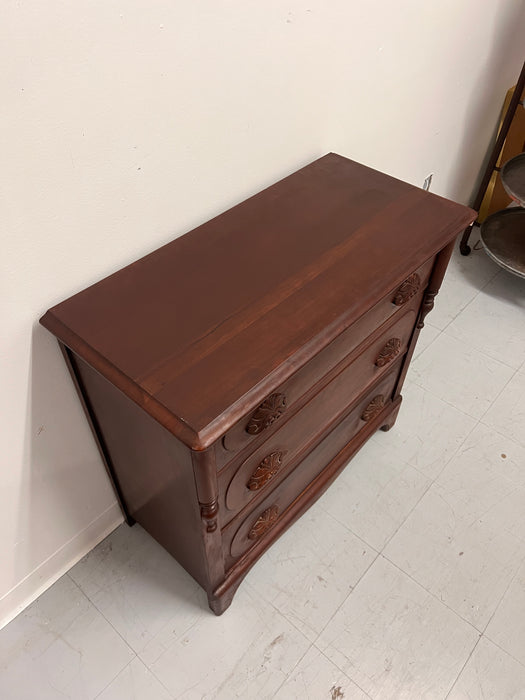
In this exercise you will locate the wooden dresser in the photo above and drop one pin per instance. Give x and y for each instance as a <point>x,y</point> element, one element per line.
<point>230,375</point>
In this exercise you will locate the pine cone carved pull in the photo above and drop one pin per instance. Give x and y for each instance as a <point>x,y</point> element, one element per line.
<point>389,352</point>
<point>266,470</point>
<point>263,523</point>
<point>407,290</point>
<point>268,412</point>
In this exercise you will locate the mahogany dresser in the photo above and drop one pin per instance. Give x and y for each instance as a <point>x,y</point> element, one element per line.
<point>230,375</point>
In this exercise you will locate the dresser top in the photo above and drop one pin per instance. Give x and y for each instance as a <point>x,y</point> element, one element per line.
<point>201,330</point>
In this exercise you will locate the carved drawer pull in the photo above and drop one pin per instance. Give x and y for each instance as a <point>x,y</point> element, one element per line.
<point>389,352</point>
<point>374,408</point>
<point>268,412</point>
<point>407,290</point>
<point>263,523</point>
<point>266,470</point>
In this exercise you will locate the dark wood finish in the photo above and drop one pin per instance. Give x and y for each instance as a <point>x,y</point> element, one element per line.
<point>154,472</point>
<point>406,291</point>
<point>236,535</point>
<point>229,375</point>
<point>298,388</point>
<point>266,414</point>
<point>308,425</point>
<point>265,471</point>
<point>97,433</point>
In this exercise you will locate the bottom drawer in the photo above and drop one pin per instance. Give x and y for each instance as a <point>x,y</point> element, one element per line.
<point>237,538</point>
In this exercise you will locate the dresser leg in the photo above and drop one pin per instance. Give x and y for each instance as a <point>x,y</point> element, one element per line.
<point>220,603</point>
<point>392,416</point>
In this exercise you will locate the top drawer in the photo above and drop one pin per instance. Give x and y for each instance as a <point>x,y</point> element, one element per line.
<point>286,398</point>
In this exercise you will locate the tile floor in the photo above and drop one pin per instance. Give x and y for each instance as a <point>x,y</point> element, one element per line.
<point>405,581</point>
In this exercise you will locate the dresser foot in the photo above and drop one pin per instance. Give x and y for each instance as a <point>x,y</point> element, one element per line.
<point>220,603</point>
<point>392,417</point>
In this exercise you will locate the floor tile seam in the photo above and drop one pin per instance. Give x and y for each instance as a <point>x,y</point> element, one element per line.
<point>63,630</point>
<point>345,525</point>
<point>333,661</point>
<point>505,651</point>
<point>505,301</point>
<point>432,480</point>
<point>418,354</point>
<point>343,672</point>
<point>283,615</point>
<point>440,398</point>
<point>482,352</point>
<point>343,602</point>
<point>500,601</point>
<point>276,610</point>
<point>477,349</point>
<point>373,547</point>
<point>454,316</point>
<point>429,323</point>
<point>290,672</point>
<point>450,282</point>
<point>497,271</point>
<point>433,595</point>
<point>511,484</point>
<point>111,681</point>
<point>406,517</point>
<point>476,294</point>
<point>291,622</point>
<point>512,377</point>
<point>447,324</point>
<point>156,677</point>
<point>408,463</point>
<point>502,435</point>
<point>452,456</point>
<point>135,654</point>
<point>464,666</point>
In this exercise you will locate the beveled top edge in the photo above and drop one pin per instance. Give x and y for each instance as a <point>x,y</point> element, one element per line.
<point>201,437</point>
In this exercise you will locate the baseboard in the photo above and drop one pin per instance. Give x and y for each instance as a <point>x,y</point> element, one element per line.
<point>55,566</point>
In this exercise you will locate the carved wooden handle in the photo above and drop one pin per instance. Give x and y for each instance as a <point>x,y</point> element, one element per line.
<point>374,408</point>
<point>266,470</point>
<point>263,523</point>
<point>407,290</point>
<point>389,352</point>
<point>268,412</point>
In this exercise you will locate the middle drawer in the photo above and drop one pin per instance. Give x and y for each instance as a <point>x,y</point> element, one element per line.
<point>266,466</point>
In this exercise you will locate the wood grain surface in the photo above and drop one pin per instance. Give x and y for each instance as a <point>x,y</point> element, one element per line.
<point>235,306</point>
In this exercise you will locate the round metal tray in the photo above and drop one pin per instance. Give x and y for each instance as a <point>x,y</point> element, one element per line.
<point>503,237</point>
<point>513,178</point>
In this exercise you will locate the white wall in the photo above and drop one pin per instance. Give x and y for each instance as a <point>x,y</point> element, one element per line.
<point>128,122</point>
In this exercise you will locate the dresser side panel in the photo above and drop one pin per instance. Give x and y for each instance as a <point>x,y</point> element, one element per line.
<point>153,470</point>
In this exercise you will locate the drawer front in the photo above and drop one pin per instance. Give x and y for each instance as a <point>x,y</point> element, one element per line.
<point>270,462</point>
<point>244,532</point>
<point>265,418</point>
